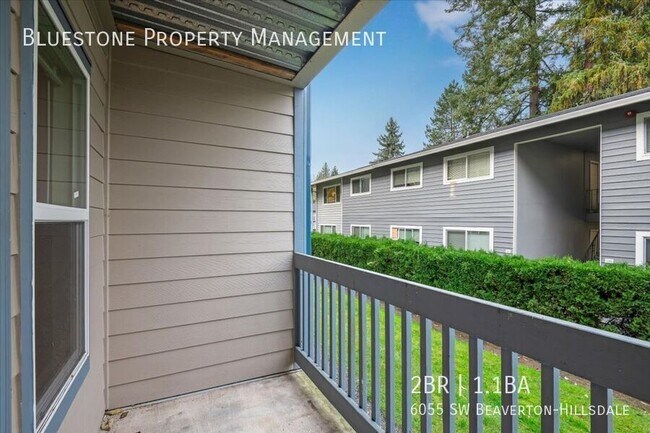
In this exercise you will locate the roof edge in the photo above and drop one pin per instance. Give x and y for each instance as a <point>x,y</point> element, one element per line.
<point>618,101</point>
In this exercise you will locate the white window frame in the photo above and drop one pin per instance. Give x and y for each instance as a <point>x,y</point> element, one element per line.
<point>405,167</point>
<point>446,159</point>
<point>390,233</point>
<point>361,226</point>
<point>488,230</point>
<point>320,228</point>
<point>641,153</point>
<point>44,212</point>
<point>639,256</point>
<point>365,176</point>
<point>325,195</point>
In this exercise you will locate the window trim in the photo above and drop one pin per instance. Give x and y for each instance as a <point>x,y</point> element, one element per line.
<point>405,167</point>
<point>44,212</point>
<point>488,230</point>
<point>369,177</point>
<point>325,195</point>
<point>446,159</point>
<point>361,226</point>
<point>641,153</point>
<point>390,234</point>
<point>639,254</point>
<point>320,228</point>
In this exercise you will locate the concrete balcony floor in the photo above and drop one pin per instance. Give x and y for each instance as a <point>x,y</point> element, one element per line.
<point>284,403</point>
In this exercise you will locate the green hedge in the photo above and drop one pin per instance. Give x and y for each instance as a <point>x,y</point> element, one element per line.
<point>614,297</point>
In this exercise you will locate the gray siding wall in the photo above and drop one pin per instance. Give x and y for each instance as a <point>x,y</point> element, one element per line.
<point>329,213</point>
<point>201,227</point>
<point>625,183</point>
<point>485,203</point>
<point>550,201</point>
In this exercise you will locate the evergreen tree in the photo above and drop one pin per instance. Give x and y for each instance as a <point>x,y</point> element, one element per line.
<point>510,51</point>
<point>608,46</point>
<point>391,144</point>
<point>448,122</point>
<point>324,172</point>
<point>334,171</point>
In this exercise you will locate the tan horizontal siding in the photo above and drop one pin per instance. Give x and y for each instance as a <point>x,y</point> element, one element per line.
<point>201,203</point>
<point>161,340</point>
<point>203,378</point>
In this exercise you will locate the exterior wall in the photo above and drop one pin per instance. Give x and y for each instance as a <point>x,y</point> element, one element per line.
<point>87,410</point>
<point>15,215</point>
<point>625,189</point>
<point>330,214</point>
<point>551,215</point>
<point>201,227</point>
<point>484,203</point>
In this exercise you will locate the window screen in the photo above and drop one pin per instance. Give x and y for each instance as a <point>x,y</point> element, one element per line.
<point>361,185</point>
<point>456,239</point>
<point>647,251</point>
<point>478,165</point>
<point>58,306</point>
<point>399,179</point>
<point>361,231</point>
<point>647,134</point>
<point>456,169</point>
<point>328,229</point>
<point>478,241</point>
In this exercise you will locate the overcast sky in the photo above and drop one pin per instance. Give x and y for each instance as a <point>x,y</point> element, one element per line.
<point>362,87</point>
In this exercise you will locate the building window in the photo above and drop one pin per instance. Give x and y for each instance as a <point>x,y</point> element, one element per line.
<point>332,194</point>
<point>60,220</point>
<point>328,229</point>
<point>468,238</point>
<point>643,136</point>
<point>360,185</point>
<point>360,231</point>
<point>406,233</point>
<point>406,177</point>
<point>470,166</point>
<point>642,248</point>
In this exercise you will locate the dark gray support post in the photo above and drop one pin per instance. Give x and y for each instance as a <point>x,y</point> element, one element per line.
<point>449,372</point>
<point>342,371</point>
<point>351,344</point>
<point>601,399</point>
<point>297,307</point>
<point>310,336</point>
<point>550,399</point>
<point>363,349</point>
<point>375,360</point>
<point>475,384</point>
<point>509,365</point>
<point>425,370</point>
<point>390,367</point>
<point>323,315</point>
<point>5,247</point>
<point>407,372</point>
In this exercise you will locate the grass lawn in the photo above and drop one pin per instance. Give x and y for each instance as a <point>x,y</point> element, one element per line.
<point>573,394</point>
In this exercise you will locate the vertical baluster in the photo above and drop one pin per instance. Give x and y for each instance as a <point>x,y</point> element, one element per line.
<point>475,382</point>
<point>309,312</point>
<point>407,367</point>
<point>317,280</point>
<point>509,399</point>
<point>363,376</point>
<point>390,367</point>
<point>550,399</point>
<point>425,371</point>
<point>342,337</point>
<point>323,314</point>
<point>297,283</point>
<point>351,343</point>
<point>375,360</point>
<point>449,372</point>
<point>305,313</point>
<point>332,327</point>
<point>601,397</point>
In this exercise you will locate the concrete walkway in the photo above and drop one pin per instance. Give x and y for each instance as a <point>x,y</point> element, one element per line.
<point>286,403</point>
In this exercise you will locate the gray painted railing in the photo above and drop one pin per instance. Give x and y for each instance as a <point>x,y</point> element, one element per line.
<point>324,326</point>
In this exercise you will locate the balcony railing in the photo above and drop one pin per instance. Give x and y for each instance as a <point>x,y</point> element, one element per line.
<point>332,304</point>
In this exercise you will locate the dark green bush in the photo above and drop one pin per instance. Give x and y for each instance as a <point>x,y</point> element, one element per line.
<point>614,297</point>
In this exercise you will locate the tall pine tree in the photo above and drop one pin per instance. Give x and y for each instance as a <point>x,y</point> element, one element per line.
<point>511,54</point>
<point>391,144</point>
<point>608,46</point>
<point>448,122</point>
<point>324,172</point>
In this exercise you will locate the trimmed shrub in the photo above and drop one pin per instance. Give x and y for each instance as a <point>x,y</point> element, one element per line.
<point>615,298</point>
